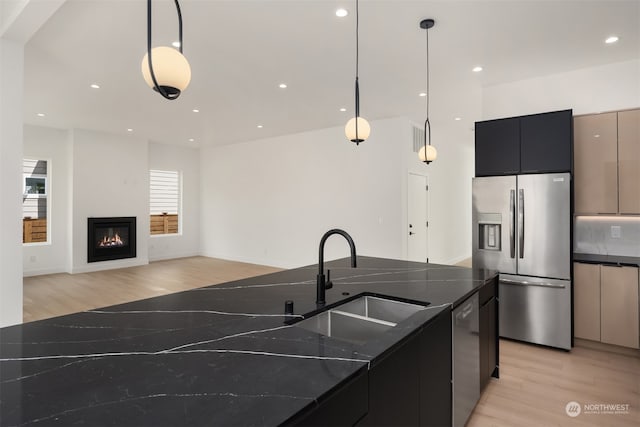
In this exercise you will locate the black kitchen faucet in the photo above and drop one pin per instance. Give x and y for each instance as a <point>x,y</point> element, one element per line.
<point>321,284</point>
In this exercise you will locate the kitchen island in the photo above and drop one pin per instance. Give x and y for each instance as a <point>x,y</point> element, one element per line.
<point>223,354</point>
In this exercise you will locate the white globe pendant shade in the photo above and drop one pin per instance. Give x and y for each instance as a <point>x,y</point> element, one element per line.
<point>171,69</point>
<point>428,154</point>
<point>363,130</point>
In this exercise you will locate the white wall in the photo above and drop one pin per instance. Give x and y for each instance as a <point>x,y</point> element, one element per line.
<point>187,161</point>
<point>11,87</point>
<point>270,201</point>
<point>590,90</point>
<point>449,176</point>
<point>110,177</point>
<point>54,146</point>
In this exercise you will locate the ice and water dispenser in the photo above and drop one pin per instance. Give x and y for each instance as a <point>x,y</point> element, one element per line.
<point>489,233</point>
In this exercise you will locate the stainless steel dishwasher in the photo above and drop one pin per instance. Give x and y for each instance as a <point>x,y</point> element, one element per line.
<point>466,359</point>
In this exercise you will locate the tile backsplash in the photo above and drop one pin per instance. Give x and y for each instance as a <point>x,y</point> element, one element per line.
<point>607,235</point>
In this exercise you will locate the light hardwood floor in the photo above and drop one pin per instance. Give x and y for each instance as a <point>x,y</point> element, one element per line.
<point>57,294</point>
<point>535,384</point>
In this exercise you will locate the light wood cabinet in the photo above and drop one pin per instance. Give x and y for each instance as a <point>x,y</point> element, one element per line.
<point>596,163</point>
<point>606,304</point>
<point>619,306</point>
<point>629,161</point>
<point>586,301</point>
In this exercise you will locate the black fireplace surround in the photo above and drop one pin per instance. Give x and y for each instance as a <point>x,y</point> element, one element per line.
<point>111,238</point>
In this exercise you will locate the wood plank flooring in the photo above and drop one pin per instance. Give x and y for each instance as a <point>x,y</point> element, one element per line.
<point>535,382</point>
<point>57,294</point>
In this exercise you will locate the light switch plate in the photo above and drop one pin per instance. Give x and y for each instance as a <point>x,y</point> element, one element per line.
<point>616,232</point>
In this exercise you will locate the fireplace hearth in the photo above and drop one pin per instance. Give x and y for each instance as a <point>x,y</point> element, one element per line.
<point>111,238</point>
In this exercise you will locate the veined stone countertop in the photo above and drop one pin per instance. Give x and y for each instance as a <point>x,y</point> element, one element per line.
<point>217,355</point>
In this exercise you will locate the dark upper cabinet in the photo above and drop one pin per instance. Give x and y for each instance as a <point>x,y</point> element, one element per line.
<point>527,144</point>
<point>545,142</point>
<point>498,147</point>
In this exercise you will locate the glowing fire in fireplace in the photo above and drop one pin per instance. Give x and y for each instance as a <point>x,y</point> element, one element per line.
<point>108,241</point>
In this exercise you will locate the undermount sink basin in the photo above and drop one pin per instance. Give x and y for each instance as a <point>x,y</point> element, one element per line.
<point>360,320</point>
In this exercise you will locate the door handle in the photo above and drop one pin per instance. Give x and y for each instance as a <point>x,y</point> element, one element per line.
<point>525,283</point>
<point>411,233</point>
<point>521,223</point>
<point>512,220</point>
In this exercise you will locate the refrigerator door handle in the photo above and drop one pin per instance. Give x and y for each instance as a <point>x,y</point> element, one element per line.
<point>512,225</point>
<point>521,223</point>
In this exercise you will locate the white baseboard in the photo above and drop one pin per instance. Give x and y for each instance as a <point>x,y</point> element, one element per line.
<point>43,271</point>
<point>248,260</point>
<point>453,261</point>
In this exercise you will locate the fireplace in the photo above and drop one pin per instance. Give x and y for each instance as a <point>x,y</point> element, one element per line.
<point>111,238</point>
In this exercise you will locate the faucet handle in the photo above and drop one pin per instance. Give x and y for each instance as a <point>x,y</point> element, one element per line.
<point>329,283</point>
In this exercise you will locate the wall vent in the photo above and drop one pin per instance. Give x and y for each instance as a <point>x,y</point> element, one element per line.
<point>418,139</point>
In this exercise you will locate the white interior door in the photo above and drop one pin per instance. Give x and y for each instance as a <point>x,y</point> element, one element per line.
<point>417,218</point>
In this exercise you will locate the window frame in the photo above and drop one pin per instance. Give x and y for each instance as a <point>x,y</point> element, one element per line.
<point>179,208</point>
<point>47,195</point>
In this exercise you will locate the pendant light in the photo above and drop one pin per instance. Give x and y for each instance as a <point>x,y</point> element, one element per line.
<point>357,129</point>
<point>428,153</point>
<point>164,68</point>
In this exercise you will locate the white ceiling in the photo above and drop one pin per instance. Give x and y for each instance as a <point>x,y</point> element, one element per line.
<point>240,51</point>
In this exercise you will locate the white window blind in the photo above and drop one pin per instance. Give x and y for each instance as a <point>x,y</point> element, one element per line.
<point>164,197</point>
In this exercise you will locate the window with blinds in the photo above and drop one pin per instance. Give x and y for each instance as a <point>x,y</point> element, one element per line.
<point>164,201</point>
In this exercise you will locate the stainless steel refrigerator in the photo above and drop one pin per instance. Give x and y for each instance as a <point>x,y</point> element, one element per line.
<point>522,228</point>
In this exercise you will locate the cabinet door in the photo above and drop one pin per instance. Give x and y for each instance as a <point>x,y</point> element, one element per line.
<point>344,407</point>
<point>545,142</point>
<point>394,388</point>
<point>488,335</point>
<point>619,299</point>
<point>586,301</point>
<point>435,372</point>
<point>629,161</point>
<point>596,163</point>
<point>498,147</point>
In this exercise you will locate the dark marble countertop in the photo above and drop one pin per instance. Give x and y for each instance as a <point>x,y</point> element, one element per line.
<point>607,259</point>
<point>217,355</point>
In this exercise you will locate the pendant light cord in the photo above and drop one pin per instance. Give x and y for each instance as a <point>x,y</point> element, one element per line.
<point>357,63</point>
<point>427,124</point>
<point>150,62</point>
<point>179,25</point>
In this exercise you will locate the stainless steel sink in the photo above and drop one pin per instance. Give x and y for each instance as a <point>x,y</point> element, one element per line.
<point>361,319</point>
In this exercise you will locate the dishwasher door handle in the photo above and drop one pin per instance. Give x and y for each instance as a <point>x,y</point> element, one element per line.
<point>526,283</point>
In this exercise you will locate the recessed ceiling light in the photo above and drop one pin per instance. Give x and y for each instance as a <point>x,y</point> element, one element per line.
<point>611,39</point>
<point>195,110</point>
<point>597,135</point>
<point>260,126</point>
<point>477,69</point>
<point>95,86</point>
<point>282,86</point>
<point>457,119</point>
<point>175,44</point>
<point>40,114</point>
<point>423,94</point>
<point>129,130</point>
<point>341,13</point>
<point>343,109</point>
<point>191,139</point>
